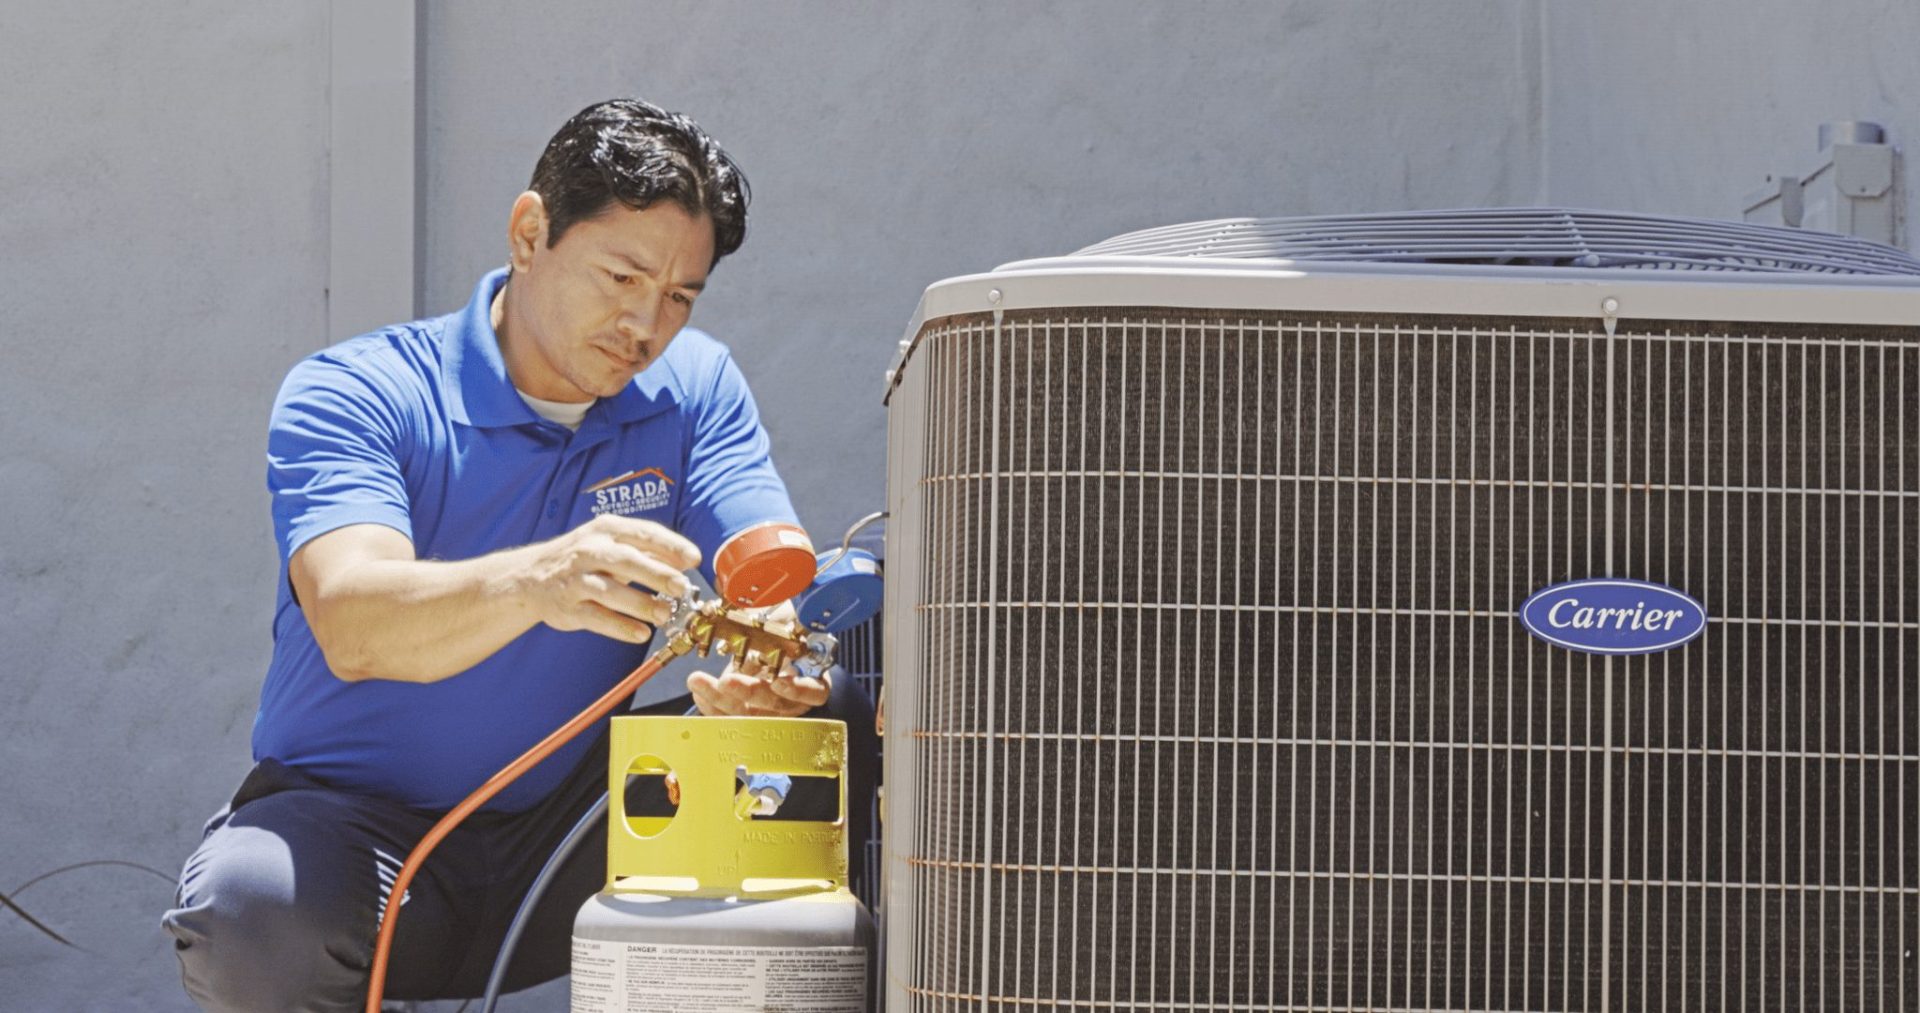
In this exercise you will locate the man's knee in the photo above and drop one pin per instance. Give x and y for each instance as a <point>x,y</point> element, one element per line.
<point>258,928</point>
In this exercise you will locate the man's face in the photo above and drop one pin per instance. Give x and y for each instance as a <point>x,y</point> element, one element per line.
<point>579,319</point>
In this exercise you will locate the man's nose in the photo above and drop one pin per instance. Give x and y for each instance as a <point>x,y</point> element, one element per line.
<point>639,319</point>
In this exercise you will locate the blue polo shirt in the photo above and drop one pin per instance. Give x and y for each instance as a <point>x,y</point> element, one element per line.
<point>417,427</point>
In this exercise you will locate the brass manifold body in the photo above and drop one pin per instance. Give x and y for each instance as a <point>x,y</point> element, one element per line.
<point>711,628</point>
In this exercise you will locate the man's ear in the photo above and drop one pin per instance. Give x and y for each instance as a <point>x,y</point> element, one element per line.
<point>526,229</point>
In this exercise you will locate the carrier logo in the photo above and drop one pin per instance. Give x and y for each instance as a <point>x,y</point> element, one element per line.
<point>1611,616</point>
<point>632,493</point>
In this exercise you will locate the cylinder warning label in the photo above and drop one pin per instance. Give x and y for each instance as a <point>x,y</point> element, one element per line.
<point>629,977</point>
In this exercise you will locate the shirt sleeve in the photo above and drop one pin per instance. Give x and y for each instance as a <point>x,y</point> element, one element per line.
<point>731,484</point>
<point>333,455</point>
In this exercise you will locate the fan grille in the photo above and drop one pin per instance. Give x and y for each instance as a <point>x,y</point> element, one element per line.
<point>1527,237</point>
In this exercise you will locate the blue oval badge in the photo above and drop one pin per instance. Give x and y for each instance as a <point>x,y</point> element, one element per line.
<point>1607,615</point>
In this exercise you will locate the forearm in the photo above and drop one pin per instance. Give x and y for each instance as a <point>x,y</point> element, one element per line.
<point>421,620</point>
<point>377,612</point>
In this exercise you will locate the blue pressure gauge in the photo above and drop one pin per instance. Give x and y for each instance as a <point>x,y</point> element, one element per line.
<point>843,595</point>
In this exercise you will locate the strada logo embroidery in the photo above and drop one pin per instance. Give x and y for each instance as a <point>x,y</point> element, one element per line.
<point>632,493</point>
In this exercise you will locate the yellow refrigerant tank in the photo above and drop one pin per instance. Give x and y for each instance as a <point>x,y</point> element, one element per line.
<point>714,908</point>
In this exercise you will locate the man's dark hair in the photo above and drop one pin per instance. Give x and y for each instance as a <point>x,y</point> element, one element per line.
<point>639,154</point>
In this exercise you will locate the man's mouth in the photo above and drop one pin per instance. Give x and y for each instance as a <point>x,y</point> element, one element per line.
<point>622,361</point>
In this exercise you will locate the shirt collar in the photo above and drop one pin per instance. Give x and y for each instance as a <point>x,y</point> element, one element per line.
<point>480,394</point>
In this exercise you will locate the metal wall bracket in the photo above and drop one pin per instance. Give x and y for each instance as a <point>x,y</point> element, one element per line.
<point>1853,188</point>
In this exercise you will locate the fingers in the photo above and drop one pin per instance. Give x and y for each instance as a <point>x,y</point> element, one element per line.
<point>597,618</point>
<point>705,697</point>
<point>799,689</point>
<point>749,696</point>
<point>789,685</point>
<point>634,566</point>
<point>729,697</point>
<point>586,579</point>
<point>655,540</point>
<point>736,694</point>
<point>624,599</point>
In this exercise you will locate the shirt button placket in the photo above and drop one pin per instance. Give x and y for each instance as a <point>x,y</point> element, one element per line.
<point>566,480</point>
<point>557,485</point>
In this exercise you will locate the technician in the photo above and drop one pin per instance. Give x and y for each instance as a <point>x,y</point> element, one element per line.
<point>474,514</point>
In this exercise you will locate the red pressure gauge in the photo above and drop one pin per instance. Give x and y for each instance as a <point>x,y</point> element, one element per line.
<point>764,565</point>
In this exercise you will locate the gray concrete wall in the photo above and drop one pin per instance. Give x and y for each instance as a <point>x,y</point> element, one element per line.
<point>168,256</point>
<point>1682,108</point>
<point>164,168</point>
<point>891,145</point>
<point>167,252</point>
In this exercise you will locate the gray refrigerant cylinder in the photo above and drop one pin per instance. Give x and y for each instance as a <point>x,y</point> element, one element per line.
<point>712,908</point>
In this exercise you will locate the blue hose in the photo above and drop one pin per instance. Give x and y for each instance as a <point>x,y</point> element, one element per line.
<point>521,917</point>
<point>559,857</point>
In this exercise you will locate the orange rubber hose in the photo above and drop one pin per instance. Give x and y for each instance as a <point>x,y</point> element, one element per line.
<point>376,986</point>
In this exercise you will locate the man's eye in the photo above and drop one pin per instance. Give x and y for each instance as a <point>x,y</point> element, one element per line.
<point>683,299</point>
<point>620,279</point>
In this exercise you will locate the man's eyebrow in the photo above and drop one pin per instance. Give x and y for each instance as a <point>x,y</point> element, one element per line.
<point>696,286</point>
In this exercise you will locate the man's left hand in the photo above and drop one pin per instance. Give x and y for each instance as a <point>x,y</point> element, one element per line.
<point>740,691</point>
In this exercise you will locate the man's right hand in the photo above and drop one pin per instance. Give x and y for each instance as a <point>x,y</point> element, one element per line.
<point>583,580</point>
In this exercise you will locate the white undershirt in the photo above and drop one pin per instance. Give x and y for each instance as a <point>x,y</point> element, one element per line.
<point>566,413</point>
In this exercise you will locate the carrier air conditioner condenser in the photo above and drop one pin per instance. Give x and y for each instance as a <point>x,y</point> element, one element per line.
<point>1219,674</point>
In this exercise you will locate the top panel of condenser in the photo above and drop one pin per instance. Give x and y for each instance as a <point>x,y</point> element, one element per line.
<point>1501,262</point>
